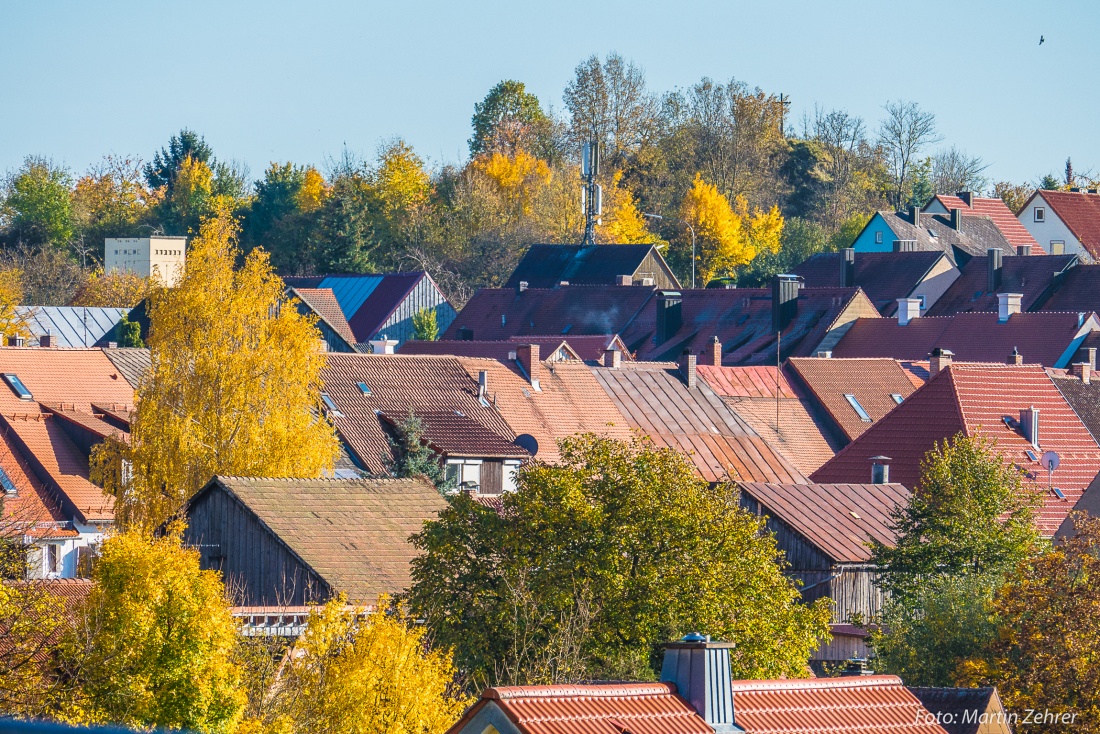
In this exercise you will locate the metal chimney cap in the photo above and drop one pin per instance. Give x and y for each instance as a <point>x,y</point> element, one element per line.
<point>880,458</point>
<point>697,640</point>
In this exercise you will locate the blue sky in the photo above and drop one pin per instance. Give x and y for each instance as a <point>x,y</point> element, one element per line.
<point>298,81</point>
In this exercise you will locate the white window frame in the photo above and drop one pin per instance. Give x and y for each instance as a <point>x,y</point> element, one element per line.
<point>878,237</point>
<point>1039,213</point>
<point>860,411</point>
<point>1057,247</point>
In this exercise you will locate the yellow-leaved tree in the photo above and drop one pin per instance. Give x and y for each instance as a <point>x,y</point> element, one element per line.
<point>233,386</point>
<point>400,178</point>
<point>313,191</point>
<point>117,289</point>
<point>728,235</point>
<point>518,177</point>
<point>153,645</point>
<point>193,187</point>
<point>623,224</point>
<point>354,672</point>
<point>11,296</point>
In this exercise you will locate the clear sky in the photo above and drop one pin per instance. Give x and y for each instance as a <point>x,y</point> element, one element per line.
<point>298,81</point>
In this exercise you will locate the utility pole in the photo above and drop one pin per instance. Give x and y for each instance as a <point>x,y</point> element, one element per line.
<point>591,192</point>
<point>784,101</point>
<point>778,345</point>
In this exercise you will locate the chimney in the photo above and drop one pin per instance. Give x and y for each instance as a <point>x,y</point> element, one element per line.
<point>624,280</point>
<point>715,351</point>
<point>521,287</point>
<point>941,358</point>
<point>465,334</point>
<point>1023,250</point>
<point>1083,372</point>
<point>612,358</point>
<point>905,245</point>
<point>1015,358</point>
<point>855,667</point>
<point>687,368</point>
<point>995,269</point>
<point>669,315</point>
<point>701,671</point>
<point>528,357</point>
<point>847,267</point>
<point>914,215</point>
<point>15,341</point>
<point>1089,356</point>
<point>967,197</point>
<point>880,469</point>
<point>46,340</point>
<point>956,219</point>
<point>1029,425</point>
<point>1008,304</point>
<point>1075,189</point>
<point>827,354</point>
<point>908,309</point>
<point>382,345</point>
<point>784,301</point>
<point>482,384</point>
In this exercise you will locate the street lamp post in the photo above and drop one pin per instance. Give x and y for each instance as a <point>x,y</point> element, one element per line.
<point>688,225</point>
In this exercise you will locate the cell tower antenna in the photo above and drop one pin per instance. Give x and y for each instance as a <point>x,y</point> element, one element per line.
<point>591,192</point>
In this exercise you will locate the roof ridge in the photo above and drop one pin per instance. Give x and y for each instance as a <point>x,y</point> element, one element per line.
<point>794,684</point>
<point>591,690</point>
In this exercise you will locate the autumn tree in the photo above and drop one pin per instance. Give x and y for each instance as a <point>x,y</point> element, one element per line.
<point>354,672</point>
<point>623,223</point>
<point>12,323</point>
<point>233,386</point>
<point>425,325</point>
<point>49,276</point>
<point>153,645</point>
<point>1013,195</point>
<point>511,119</point>
<point>163,170</point>
<point>608,102</point>
<point>903,134</point>
<point>1044,655</point>
<point>117,289</point>
<point>110,200</point>
<point>595,562</point>
<point>953,171</point>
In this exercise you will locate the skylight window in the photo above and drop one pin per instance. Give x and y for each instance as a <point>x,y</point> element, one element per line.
<point>7,484</point>
<point>17,386</point>
<point>897,397</point>
<point>1031,455</point>
<point>363,388</point>
<point>857,408</point>
<point>1058,493</point>
<point>331,405</point>
<point>932,234</point>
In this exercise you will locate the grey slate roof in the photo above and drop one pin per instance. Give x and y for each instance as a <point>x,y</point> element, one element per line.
<point>353,532</point>
<point>975,236</point>
<point>545,266</point>
<point>131,362</point>
<point>72,326</point>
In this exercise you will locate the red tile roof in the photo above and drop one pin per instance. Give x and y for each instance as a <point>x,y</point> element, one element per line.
<point>654,399</point>
<point>883,276</point>
<point>746,382</point>
<point>77,377</point>
<point>1030,276</point>
<point>1077,290</point>
<point>996,210</point>
<point>588,348</point>
<point>607,708</point>
<point>398,384</point>
<point>322,301</point>
<point>850,705</point>
<point>32,506</point>
<point>1079,211</point>
<point>1043,337</point>
<point>872,382</point>
<point>838,519</point>
<point>453,434</point>
<point>974,399</point>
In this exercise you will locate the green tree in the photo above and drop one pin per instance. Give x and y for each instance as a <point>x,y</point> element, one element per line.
<point>801,240</point>
<point>849,230</point>
<point>153,646</point>
<point>38,206</point>
<point>508,120</point>
<point>129,333</point>
<point>923,186</point>
<point>348,223</point>
<point>425,325</point>
<point>1050,182</point>
<point>412,456</point>
<point>595,562</point>
<point>164,169</point>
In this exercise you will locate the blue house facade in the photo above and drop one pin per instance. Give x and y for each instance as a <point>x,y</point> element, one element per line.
<point>877,236</point>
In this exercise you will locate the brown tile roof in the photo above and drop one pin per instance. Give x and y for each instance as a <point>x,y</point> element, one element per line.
<point>570,401</point>
<point>996,210</point>
<point>883,276</point>
<point>587,348</point>
<point>872,382</point>
<point>975,399</point>
<point>1077,290</point>
<point>1042,337</point>
<point>1080,211</point>
<point>601,708</point>
<point>398,384</point>
<point>750,393</point>
<point>453,434</point>
<point>352,532</point>
<point>1029,276</point>
<point>132,363</point>
<point>741,318</point>
<point>959,709</point>
<point>655,400</point>
<point>322,301</point>
<point>838,519</point>
<point>852,705</point>
<point>1083,398</point>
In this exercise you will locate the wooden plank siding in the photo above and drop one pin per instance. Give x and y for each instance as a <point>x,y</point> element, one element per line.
<point>258,569</point>
<point>651,267</point>
<point>424,295</point>
<point>333,341</point>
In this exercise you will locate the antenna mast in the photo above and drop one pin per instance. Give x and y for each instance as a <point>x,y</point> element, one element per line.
<point>591,192</point>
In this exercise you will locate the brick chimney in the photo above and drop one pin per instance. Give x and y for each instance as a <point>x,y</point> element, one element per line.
<point>1007,305</point>
<point>941,358</point>
<point>908,309</point>
<point>15,341</point>
<point>1088,355</point>
<point>784,301</point>
<point>1082,371</point>
<point>880,469</point>
<point>914,215</point>
<point>687,368</point>
<point>701,671</point>
<point>624,280</point>
<point>994,269</point>
<point>1015,358</point>
<point>528,357</point>
<point>715,351</point>
<point>46,340</point>
<point>612,358</point>
<point>847,267</point>
<point>956,219</point>
<point>669,315</point>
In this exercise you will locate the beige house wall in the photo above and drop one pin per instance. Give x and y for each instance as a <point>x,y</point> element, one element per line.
<point>164,257</point>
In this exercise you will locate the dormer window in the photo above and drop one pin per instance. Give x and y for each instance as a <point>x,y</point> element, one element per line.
<point>7,484</point>
<point>897,397</point>
<point>1040,213</point>
<point>333,411</point>
<point>863,416</point>
<point>17,386</point>
<point>363,388</point>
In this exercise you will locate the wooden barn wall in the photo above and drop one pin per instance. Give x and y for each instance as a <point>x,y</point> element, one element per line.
<point>425,295</point>
<point>333,340</point>
<point>652,268</point>
<point>255,565</point>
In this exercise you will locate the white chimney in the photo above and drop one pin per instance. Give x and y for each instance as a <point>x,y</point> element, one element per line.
<point>382,345</point>
<point>1029,425</point>
<point>1008,304</point>
<point>908,309</point>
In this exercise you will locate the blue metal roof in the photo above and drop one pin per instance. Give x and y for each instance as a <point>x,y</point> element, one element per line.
<point>351,290</point>
<point>71,326</point>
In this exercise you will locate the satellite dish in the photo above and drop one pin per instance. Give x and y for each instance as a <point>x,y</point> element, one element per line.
<point>1050,461</point>
<point>527,442</point>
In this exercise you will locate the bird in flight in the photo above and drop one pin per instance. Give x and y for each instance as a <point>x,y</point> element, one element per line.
<point>1041,39</point>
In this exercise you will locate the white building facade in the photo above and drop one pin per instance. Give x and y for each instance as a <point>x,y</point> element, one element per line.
<point>162,257</point>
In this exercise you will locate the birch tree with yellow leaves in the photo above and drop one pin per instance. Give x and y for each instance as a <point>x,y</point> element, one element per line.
<point>233,386</point>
